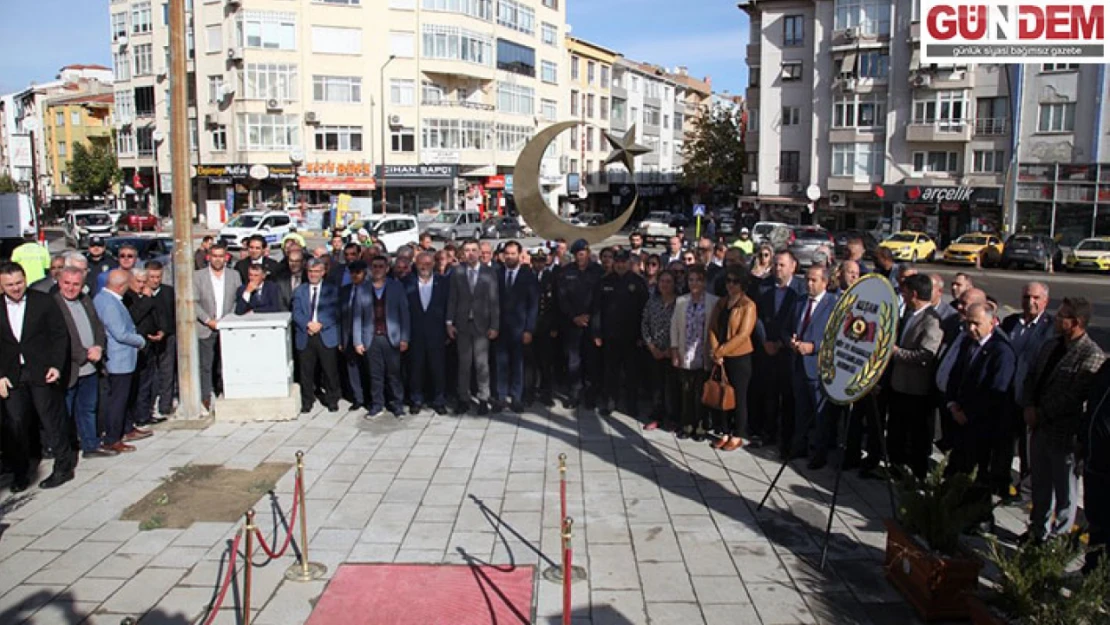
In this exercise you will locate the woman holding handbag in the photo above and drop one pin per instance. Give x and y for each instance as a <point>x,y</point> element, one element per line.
<point>730,340</point>
<point>690,351</point>
<point>656,331</point>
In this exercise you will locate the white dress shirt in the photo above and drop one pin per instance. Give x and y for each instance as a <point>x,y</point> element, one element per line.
<point>218,292</point>
<point>425,289</point>
<point>314,298</point>
<point>16,312</point>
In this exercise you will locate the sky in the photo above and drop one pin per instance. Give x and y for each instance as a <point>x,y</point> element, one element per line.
<point>38,37</point>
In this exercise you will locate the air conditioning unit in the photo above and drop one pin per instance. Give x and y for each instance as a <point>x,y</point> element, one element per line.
<point>121,43</point>
<point>837,199</point>
<point>235,54</point>
<point>394,120</point>
<point>273,104</point>
<point>921,80</point>
<point>227,90</point>
<point>848,84</point>
<point>310,117</point>
<point>210,121</point>
<point>754,187</point>
<point>796,189</point>
<point>124,121</point>
<point>850,33</point>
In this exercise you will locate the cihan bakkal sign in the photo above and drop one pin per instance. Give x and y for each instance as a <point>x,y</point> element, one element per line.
<point>858,340</point>
<point>1014,31</point>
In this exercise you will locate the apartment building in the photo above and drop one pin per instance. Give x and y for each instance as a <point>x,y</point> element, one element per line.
<point>70,120</point>
<point>590,98</point>
<point>838,100</point>
<point>426,101</point>
<point>695,97</point>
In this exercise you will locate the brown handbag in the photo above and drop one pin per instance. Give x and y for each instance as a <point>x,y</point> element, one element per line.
<point>716,393</point>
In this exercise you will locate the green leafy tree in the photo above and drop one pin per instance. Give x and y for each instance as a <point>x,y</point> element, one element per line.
<point>7,185</point>
<point>93,170</point>
<point>715,155</point>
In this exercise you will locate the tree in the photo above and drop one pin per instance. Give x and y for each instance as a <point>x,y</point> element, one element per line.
<point>93,170</point>
<point>7,185</point>
<point>715,155</point>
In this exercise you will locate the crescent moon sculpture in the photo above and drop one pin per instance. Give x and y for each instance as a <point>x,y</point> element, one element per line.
<point>532,205</point>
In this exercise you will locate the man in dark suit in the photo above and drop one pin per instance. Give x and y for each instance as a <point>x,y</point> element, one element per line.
<point>34,348</point>
<point>519,299</point>
<point>381,331</point>
<point>811,406</point>
<point>289,277</point>
<point>1094,457</point>
<point>163,344</point>
<point>315,307</point>
<point>473,319</point>
<point>257,294</point>
<point>540,358</point>
<point>357,376</point>
<point>428,296</point>
<point>257,254</point>
<point>912,371</point>
<point>776,298</point>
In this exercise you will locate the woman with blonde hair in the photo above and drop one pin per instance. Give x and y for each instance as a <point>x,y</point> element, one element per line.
<point>763,261</point>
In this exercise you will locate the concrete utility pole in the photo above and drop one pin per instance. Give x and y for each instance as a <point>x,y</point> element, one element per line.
<point>188,377</point>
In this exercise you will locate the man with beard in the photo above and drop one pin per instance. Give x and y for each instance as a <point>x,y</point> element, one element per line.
<point>615,322</point>
<point>257,254</point>
<point>427,295</point>
<point>214,291</point>
<point>519,300</point>
<point>576,288</point>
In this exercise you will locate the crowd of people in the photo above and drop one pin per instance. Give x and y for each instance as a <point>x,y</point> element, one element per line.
<point>88,352</point>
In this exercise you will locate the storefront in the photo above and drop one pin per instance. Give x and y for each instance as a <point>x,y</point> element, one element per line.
<point>944,213</point>
<point>665,196</point>
<point>416,188</point>
<point>232,188</point>
<point>1067,201</point>
<point>319,180</point>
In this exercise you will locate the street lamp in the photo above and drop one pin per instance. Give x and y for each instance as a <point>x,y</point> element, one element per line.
<point>381,78</point>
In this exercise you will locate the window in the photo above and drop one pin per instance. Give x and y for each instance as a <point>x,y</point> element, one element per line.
<point>791,116</point>
<point>751,162</point>
<point>590,105</point>
<point>792,30</point>
<point>859,111</point>
<point>590,140</point>
<point>946,109</point>
<point>124,104</point>
<point>603,108</point>
<point>789,166</point>
<point>859,160</point>
<point>591,72</point>
<point>455,134</point>
<point>140,18</point>
<point>651,89</point>
<point>402,92</point>
<point>871,17</point>
<point>651,115</point>
<point>635,118</point>
<point>992,116</point>
<point>792,71</point>
<point>334,40</point>
<point>605,76</point>
<point>936,162</point>
<point>144,140</point>
<point>218,135</point>
<point>874,64</point>
<point>574,63</point>
<point>516,16</point>
<point>119,25</point>
<point>343,89</point>
<point>512,138</point>
<point>516,99</point>
<point>573,167</point>
<point>551,4</point>
<point>456,44</point>
<point>1057,117</point>
<point>481,9</point>
<point>402,140</point>
<point>1058,67</point>
<point>60,119</point>
<point>121,64</point>
<point>549,34</point>
<point>144,60</point>
<point>431,93</point>
<point>574,138</point>
<point>268,29</point>
<point>214,39</point>
<point>678,121</point>
<point>75,117</point>
<point>339,138</point>
<point>549,72</point>
<point>402,44</point>
<point>125,141</point>
<point>269,133</point>
<point>573,103</point>
<point>263,81</point>
<point>549,110</point>
<point>753,76</point>
<point>619,107</point>
<point>753,119</point>
<point>636,84</point>
<point>215,89</point>
<point>144,101</point>
<point>988,161</point>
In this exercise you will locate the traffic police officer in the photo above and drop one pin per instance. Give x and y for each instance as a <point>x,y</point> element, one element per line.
<point>576,287</point>
<point>615,324</point>
<point>100,261</point>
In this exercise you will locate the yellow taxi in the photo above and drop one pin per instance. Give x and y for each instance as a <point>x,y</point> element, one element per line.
<point>911,246</point>
<point>974,249</point>
<point>1090,254</point>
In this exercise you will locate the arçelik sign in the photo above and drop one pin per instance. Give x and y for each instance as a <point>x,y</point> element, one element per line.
<point>1014,31</point>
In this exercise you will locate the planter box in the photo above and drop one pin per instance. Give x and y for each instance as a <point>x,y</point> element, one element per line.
<point>936,586</point>
<point>981,613</point>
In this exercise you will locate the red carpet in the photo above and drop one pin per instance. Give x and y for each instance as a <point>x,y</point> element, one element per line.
<point>425,594</point>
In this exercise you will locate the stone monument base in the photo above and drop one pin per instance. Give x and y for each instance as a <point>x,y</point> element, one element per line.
<point>259,409</point>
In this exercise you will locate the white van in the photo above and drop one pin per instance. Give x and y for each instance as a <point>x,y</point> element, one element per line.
<point>273,225</point>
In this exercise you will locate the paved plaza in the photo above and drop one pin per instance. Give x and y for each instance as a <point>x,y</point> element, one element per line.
<point>667,530</point>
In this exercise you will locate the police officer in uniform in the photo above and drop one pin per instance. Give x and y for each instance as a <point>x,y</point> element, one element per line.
<point>100,261</point>
<point>615,324</point>
<point>576,287</point>
<point>540,355</point>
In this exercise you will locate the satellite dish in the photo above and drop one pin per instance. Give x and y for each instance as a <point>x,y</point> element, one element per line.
<point>158,136</point>
<point>296,156</point>
<point>813,193</point>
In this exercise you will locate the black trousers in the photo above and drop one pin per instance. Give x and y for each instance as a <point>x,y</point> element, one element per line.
<point>384,362</point>
<point>665,395</point>
<point>694,415</point>
<point>356,378</point>
<point>140,409</point>
<point>739,370</point>
<point>208,350</point>
<point>316,355</point>
<point>910,432</point>
<point>573,340</point>
<point>539,366</point>
<point>865,431</point>
<point>165,365</point>
<point>34,407</point>
<point>116,397</point>
<point>427,372</point>
<point>1096,507</point>
<point>778,407</point>
<point>618,357</point>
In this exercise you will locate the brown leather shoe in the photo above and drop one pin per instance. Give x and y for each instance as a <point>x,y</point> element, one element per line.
<point>733,444</point>
<point>137,434</point>
<point>121,447</point>
<point>721,443</point>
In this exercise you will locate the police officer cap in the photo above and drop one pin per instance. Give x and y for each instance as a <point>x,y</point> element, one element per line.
<point>622,256</point>
<point>539,253</point>
<point>96,240</point>
<point>358,265</point>
<point>578,246</point>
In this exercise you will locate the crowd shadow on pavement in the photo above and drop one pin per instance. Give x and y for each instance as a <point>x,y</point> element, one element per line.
<point>62,609</point>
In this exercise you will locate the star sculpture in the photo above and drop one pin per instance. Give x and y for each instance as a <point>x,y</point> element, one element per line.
<point>625,149</point>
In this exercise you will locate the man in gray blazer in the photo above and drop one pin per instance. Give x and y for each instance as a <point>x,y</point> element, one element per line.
<point>473,319</point>
<point>913,366</point>
<point>214,291</point>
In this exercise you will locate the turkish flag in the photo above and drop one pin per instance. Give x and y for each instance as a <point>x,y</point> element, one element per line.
<point>136,182</point>
<point>880,192</point>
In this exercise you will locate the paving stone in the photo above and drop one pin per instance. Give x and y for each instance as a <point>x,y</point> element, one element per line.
<point>23,601</point>
<point>666,581</point>
<point>334,540</point>
<point>729,614</point>
<point>405,491</point>
<point>71,565</point>
<point>726,589</point>
<point>59,539</point>
<point>617,607</point>
<point>22,565</point>
<point>425,536</point>
<point>705,554</point>
<point>780,604</point>
<point>149,542</point>
<point>353,511</point>
<point>292,603</point>
<point>373,552</point>
<point>143,591</point>
<point>178,557</point>
<point>613,567</point>
<point>204,534</point>
<point>93,590</point>
<point>59,611</point>
<point>674,614</point>
<point>121,565</point>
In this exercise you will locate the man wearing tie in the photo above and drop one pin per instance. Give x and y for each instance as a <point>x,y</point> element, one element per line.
<point>775,304</point>
<point>357,376</point>
<point>381,333</point>
<point>289,277</point>
<point>316,335</point>
<point>811,315</point>
<point>519,300</point>
<point>473,319</point>
<point>428,353</point>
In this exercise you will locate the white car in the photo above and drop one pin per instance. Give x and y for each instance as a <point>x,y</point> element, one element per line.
<point>79,225</point>
<point>273,225</point>
<point>391,230</point>
<point>656,227</point>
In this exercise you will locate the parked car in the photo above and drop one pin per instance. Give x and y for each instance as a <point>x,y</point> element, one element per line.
<point>81,224</point>
<point>975,249</point>
<point>273,225</point>
<point>656,227</point>
<point>149,248</point>
<point>807,243</point>
<point>1090,255</point>
<point>455,225</point>
<point>391,230</point>
<point>870,243</point>
<point>588,219</point>
<point>778,234</point>
<point>500,227</point>
<point>137,221</point>
<point>911,246</point>
<point>1038,250</point>
<point>727,227</point>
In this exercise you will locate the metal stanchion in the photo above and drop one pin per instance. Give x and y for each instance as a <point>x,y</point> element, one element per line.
<point>562,486</point>
<point>555,573</point>
<point>568,523</point>
<point>249,531</point>
<point>305,570</point>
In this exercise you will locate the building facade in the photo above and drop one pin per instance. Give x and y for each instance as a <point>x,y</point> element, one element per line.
<point>841,106</point>
<point>84,119</point>
<point>590,101</point>
<point>425,101</point>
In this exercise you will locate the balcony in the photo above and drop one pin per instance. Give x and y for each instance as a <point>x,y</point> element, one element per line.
<point>474,106</point>
<point>942,131</point>
<point>941,79</point>
<point>992,127</point>
<point>753,52</point>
